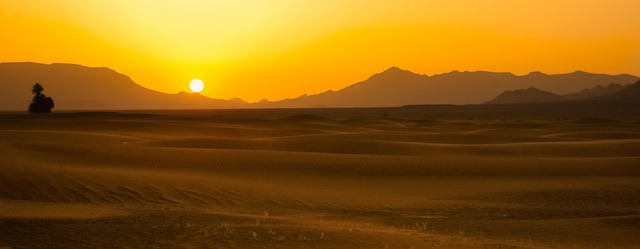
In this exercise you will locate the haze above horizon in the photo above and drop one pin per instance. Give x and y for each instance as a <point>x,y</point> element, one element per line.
<point>281,49</point>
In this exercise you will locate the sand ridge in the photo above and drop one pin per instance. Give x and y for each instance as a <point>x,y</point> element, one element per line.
<point>361,178</point>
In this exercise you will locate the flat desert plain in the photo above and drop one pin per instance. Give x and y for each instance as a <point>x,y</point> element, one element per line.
<point>413,177</point>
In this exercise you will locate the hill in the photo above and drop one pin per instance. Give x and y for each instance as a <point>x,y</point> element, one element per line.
<point>530,95</point>
<point>397,87</point>
<point>596,91</point>
<point>78,87</point>
<point>627,97</point>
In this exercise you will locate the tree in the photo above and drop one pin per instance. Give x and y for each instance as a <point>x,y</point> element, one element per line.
<point>40,102</point>
<point>37,89</point>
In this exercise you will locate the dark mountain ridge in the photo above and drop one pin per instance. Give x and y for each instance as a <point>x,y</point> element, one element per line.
<point>397,87</point>
<point>533,95</point>
<point>627,97</point>
<point>596,91</point>
<point>75,87</point>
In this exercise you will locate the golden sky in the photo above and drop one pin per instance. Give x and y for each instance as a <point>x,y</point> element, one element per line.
<point>277,49</point>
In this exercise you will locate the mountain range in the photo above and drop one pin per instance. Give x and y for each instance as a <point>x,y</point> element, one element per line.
<point>596,91</point>
<point>86,88</point>
<point>534,95</point>
<point>397,87</point>
<point>627,97</point>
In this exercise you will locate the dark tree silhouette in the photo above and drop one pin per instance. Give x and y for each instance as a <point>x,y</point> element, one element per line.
<point>40,102</point>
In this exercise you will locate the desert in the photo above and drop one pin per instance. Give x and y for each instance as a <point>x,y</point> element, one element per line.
<point>361,124</point>
<point>411,177</point>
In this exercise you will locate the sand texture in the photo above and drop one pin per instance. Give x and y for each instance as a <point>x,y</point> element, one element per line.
<point>440,177</point>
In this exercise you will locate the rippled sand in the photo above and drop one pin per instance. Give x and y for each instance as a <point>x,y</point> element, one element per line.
<point>444,177</point>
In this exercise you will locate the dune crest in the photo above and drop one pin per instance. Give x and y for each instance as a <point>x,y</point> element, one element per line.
<point>421,176</point>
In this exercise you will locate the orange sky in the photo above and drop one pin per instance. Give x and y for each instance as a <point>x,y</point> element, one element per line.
<point>277,49</point>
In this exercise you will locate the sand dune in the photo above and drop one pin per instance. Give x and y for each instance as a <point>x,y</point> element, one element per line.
<point>323,179</point>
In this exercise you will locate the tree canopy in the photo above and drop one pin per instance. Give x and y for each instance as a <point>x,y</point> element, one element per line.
<point>40,102</point>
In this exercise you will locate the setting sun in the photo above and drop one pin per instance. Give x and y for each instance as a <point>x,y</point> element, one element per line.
<point>323,124</point>
<point>282,49</point>
<point>196,85</point>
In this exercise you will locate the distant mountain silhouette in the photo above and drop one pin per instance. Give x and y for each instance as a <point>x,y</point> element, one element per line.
<point>397,87</point>
<point>627,97</point>
<point>596,91</point>
<point>85,88</point>
<point>530,95</point>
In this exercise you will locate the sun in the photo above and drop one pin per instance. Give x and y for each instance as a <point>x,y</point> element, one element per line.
<point>196,85</point>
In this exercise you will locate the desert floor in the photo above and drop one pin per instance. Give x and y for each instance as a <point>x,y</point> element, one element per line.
<point>415,177</point>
